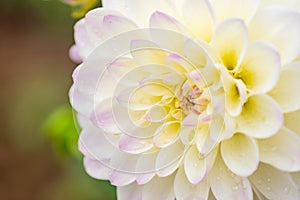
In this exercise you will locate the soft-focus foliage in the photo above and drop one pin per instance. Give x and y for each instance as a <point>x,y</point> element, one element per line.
<point>80,7</point>
<point>61,131</point>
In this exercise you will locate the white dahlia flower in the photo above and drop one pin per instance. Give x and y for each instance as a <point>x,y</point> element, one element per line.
<point>191,99</point>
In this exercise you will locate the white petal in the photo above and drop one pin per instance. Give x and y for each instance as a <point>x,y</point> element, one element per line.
<point>161,20</point>
<point>240,154</point>
<point>167,134</point>
<point>123,165</point>
<point>217,103</point>
<point>286,92</point>
<point>142,179</point>
<point>235,93</point>
<point>195,53</point>
<point>159,188</point>
<point>261,117</point>
<point>96,169</point>
<point>113,25</point>
<point>95,19</point>
<point>274,184</point>
<point>273,28</point>
<point>198,16</point>
<point>82,39</point>
<point>128,126</point>
<point>184,190</point>
<point>92,143</point>
<point>178,64</point>
<point>74,54</point>
<point>230,126</point>
<point>140,11</point>
<point>167,39</point>
<point>145,167</point>
<point>113,4</point>
<point>187,135</point>
<point>204,77</point>
<point>291,121</point>
<point>103,117</point>
<point>120,178</point>
<point>209,135</point>
<point>227,186</point>
<point>168,159</point>
<point>260,68</point>
<point>134,145</point>
<point>146,52</point>
<point>194,165</point>
<point>230,41</point>
<point>88,88</point>
<point>120,67</point>
<point>197,166</point>
<point>130,192</point>
<point>99,25</point>
<point>294,4</point>
<point>225,9</point>
<point>281,150</point>
<point>191,120</point>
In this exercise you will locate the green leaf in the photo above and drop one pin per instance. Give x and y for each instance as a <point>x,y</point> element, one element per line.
<point>81,7</point>
<point>61,131</point>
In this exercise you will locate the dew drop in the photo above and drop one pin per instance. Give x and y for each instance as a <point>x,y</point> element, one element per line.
<point>244,184</point>
<point>286,190</point>
<point>126,7</point>
<point>269,180</point>
<point>269,188</point>
<point>235,187</point>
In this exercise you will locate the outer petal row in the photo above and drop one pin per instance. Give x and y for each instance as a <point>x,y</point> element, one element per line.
<point>273,28</point>
<point>274,184</point>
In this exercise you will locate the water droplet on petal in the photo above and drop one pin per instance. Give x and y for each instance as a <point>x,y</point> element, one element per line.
<point>269,188</point>
<point>286,190</point>
<point>244,184</point>
<point>235,187</point>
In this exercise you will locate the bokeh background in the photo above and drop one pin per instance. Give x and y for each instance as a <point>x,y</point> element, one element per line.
<point>39,159</point>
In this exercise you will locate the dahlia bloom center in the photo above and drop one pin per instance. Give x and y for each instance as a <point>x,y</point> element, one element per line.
<point>191,99</point>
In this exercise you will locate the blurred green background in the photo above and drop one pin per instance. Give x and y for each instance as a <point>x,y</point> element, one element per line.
<point>38,141</point>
